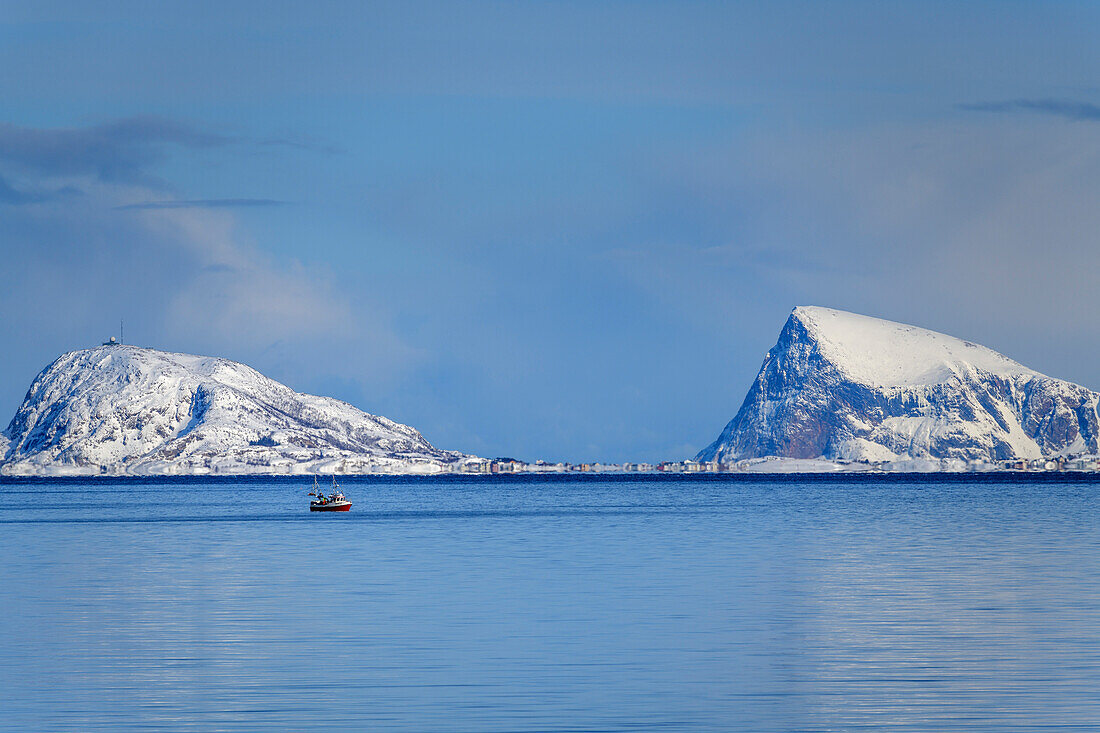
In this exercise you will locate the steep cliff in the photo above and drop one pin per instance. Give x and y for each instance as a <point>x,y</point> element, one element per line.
<point>844,386</point>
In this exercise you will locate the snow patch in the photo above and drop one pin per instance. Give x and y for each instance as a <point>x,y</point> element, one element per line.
<point>883,353</point>
<point>861,449</point>
<point>797,465</point>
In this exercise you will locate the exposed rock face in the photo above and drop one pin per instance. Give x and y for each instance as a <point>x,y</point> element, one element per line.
<point>843,386</point>
<point>141,411</point>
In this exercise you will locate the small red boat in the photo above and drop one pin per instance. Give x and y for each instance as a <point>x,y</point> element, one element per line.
<point>334,502</point>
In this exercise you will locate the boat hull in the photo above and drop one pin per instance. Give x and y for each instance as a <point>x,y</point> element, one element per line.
<point>337,506</point>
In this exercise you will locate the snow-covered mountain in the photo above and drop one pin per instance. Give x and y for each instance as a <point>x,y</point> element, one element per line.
<point>124,409</point>
<point>843,386</point>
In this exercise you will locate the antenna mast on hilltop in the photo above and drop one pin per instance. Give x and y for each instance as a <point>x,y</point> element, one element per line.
<point>121,331</point>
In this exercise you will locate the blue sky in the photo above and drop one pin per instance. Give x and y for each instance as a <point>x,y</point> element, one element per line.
<point>549,230</point>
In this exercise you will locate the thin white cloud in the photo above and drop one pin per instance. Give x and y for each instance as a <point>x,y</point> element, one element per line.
<point>984,227</point>
<point>185,278</point>
<point>229,203</point>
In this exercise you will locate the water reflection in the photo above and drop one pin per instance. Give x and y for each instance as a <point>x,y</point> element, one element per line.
<point>552,605</point>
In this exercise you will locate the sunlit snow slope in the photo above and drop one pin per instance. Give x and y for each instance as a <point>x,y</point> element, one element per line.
<point>844,386</point>
<point>124,409</point>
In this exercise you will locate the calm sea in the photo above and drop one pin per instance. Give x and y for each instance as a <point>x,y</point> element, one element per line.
<point>552,604</point>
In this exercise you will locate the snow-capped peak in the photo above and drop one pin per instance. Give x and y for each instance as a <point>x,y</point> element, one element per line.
<point>882,353</point>
<point>135,410</point>
<point>841,385</point>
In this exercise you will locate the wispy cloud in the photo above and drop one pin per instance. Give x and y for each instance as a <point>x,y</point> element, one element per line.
<point>11,195</point>
<point>119,151</point>
<point>1069,109</point>
<point>201,204</point>
<point>315,146</point>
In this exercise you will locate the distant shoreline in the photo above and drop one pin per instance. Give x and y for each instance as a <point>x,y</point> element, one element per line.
<point>862,477</point>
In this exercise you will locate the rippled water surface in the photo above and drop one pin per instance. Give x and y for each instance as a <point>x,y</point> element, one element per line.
<point>564,604</point>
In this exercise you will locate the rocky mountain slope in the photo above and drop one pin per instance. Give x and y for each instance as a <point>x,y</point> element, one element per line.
<point>124,409</point>
<point>843,386</point>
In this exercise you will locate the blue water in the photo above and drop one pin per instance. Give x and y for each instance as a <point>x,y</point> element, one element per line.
<point>564,604</point>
